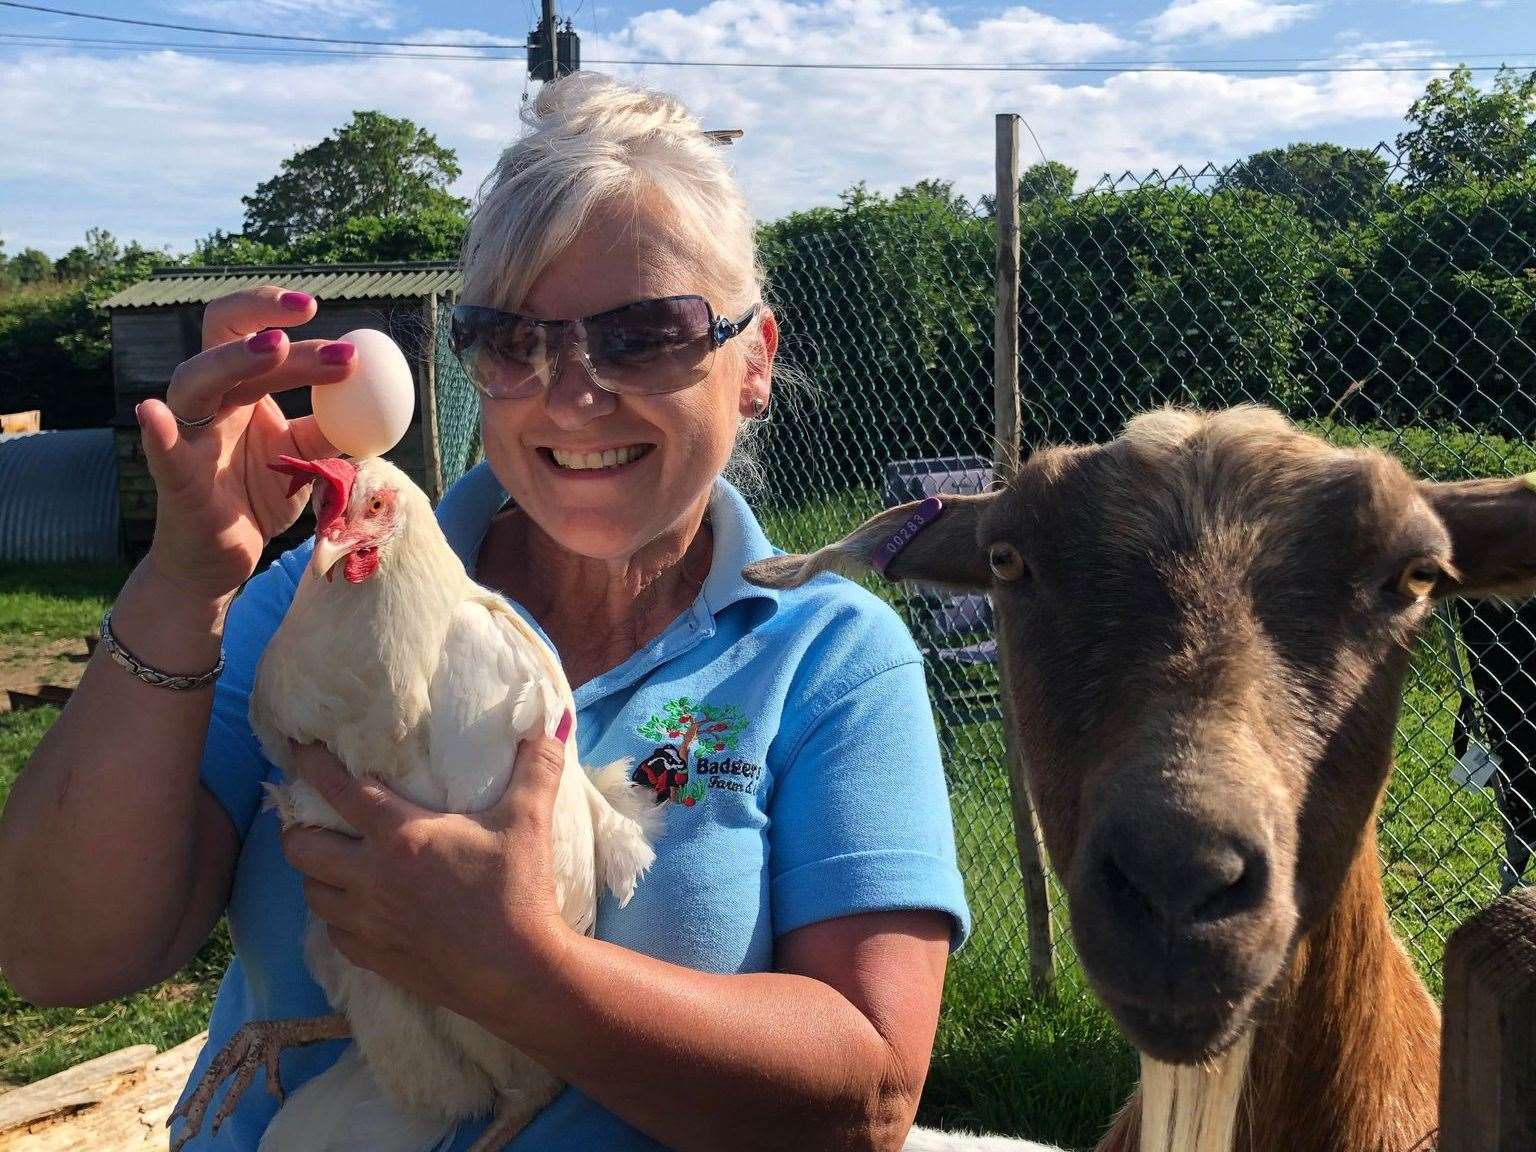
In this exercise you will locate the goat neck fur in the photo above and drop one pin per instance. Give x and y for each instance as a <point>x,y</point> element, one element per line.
<point>419,677</point>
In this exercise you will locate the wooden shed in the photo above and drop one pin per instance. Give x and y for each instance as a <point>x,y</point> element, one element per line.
<point>157,323</point>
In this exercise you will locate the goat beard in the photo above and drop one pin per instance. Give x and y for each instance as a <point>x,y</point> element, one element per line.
<point>1193,1108</point>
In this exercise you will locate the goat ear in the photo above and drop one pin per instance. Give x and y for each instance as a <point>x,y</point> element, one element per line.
<point>943,551</point>
<point>1493,535</point>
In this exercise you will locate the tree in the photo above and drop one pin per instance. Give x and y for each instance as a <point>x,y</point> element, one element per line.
<point>1047,180</point>
<point>32,266</point>
<point>1040,183</point>
<point>375,166</point>
<point>938,193</point>
<point>1328,184</point>
<point>1460,132</point>
<point>98,254</point>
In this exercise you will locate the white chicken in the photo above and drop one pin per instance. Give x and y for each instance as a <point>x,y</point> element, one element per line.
<point>410,672</point>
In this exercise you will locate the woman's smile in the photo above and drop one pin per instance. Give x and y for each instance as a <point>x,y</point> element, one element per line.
<point>594,463</point>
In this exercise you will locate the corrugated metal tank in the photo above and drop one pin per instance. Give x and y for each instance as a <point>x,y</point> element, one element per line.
<point>58,496</point>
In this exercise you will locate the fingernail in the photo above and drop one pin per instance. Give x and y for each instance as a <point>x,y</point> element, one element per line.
<point>265,341</point>
<point>138,413</point>
<point>337,353</point>
<point>296,301</point>
<point>564,728</point>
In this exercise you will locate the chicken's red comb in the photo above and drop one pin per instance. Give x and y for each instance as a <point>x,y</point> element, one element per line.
<point>336,472</point>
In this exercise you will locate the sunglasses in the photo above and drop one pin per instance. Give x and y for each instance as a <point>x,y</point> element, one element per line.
<point>640,349</point>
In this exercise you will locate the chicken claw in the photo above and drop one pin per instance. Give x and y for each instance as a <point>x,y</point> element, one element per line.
<point>258,1044</point>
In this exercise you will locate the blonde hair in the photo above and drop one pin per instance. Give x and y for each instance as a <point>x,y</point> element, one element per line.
<point>594,143</point>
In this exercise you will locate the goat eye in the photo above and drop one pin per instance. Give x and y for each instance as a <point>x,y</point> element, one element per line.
<point>1418,579</point>
<point>1006,562</point>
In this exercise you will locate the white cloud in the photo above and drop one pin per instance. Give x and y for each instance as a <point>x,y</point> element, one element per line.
<point>296,16</point>
<point>1224,20</point>
<point>159,147</point>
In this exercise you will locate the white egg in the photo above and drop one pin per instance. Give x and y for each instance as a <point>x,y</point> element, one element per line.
<point>368,412</point>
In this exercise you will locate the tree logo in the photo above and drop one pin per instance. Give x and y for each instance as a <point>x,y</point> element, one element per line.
<point>685,729</point>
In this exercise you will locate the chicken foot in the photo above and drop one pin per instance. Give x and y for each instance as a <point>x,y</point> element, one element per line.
<point>512,1116</point>
<point>258,1044</point>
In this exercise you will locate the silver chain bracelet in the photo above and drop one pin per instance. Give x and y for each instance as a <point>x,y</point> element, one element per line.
<point>153,676</point>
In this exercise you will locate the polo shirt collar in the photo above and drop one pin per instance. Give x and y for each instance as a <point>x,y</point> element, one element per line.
<point>739,539</point>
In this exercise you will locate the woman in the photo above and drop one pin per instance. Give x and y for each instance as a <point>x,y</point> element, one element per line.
<point>777,977</point>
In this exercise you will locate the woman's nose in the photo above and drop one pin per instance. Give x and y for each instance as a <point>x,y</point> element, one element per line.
<point>573,399</point>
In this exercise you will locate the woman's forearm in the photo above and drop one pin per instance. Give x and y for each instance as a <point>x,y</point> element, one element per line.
<point>705,1061</point>
<point>100,842</point>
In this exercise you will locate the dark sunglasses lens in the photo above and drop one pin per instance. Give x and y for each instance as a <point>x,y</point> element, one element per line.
<point>652,346</point>
<point>505,355</point>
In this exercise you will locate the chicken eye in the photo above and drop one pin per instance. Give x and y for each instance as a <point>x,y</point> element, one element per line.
<point>1417,579</point>
<point>1006,562</point>
<point>375,506</point>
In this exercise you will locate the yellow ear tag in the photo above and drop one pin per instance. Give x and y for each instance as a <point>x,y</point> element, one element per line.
<point>1529,480</point>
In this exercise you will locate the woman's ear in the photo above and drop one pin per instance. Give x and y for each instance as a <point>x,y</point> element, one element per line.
<point>1493,535</point>
<point>757,381</point>
<point>908,542</point>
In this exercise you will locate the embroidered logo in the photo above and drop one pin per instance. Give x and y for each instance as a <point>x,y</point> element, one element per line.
<point>685,729</point>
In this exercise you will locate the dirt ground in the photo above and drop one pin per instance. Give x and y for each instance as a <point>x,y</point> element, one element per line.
<point>25,666</point>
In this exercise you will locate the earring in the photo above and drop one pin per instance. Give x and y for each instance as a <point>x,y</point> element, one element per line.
<point>759,406</point>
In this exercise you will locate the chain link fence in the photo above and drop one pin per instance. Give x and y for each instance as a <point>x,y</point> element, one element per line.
<point>1372,303</point>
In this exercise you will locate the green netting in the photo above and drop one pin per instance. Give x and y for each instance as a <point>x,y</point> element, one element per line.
<point>458,407</point>
<point>1392,310</point>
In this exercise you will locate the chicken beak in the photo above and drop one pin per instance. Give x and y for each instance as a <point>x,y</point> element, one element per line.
<point>327,553</point>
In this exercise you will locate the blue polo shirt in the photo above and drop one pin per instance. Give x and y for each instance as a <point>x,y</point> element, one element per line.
<point>787,737</point>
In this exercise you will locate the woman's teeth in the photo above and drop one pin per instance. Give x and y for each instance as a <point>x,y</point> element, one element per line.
<point>612,458</point>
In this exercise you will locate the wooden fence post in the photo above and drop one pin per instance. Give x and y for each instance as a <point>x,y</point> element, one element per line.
<point>1488,1047</point>
<point>1005,403</point>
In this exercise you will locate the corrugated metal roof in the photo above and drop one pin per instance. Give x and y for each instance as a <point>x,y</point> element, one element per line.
<point>167,286</point>
<point>58,496</point>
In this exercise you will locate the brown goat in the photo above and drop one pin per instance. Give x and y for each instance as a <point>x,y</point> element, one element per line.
<point>1205,627</point>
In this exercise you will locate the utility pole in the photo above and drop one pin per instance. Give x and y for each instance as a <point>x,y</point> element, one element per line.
<point>553,51</point>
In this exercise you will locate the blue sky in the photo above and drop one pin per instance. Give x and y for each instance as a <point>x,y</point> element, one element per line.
<point>159,145</point>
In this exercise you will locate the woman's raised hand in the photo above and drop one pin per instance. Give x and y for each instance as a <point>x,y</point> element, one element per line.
<point>218,504</point>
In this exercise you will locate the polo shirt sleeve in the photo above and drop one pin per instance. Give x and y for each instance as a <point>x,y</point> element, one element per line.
<point>233,767</point>
<point>859,817</point>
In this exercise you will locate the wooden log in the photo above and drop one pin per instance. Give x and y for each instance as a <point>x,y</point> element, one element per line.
<point>44,696</point>
<point>112,1104</point>
<point>1488,1046</point>
<point>72,1090</point>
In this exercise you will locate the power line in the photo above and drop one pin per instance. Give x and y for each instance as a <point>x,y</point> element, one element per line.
<point>487,56</point>
<point>233,32</point>
<point>1292,65</point>
<point>125,45</point>
<point>1051,65</point>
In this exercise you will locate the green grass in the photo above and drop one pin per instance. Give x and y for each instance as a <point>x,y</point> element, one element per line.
<point>37,1042</point>
<point>43,602</point>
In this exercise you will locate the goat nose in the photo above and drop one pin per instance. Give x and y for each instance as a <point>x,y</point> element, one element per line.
<point>1181,872</point>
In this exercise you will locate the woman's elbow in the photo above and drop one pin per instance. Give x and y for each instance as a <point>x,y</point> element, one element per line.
<point>889,1120</point>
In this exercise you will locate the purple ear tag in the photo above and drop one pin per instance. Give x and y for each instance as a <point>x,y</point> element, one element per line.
<point>922,516</point>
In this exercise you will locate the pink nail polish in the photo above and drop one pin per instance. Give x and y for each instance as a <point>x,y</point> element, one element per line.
<point>265,341</point>
<point>564,728</point>
<point>296,301</point>
<point>337,353</point>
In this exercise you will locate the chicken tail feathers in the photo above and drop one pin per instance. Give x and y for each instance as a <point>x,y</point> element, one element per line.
<point>624,822</point>
<point>345,1110</point>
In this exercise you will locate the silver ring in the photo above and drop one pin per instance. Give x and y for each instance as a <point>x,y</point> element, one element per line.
<point>202,423</point>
